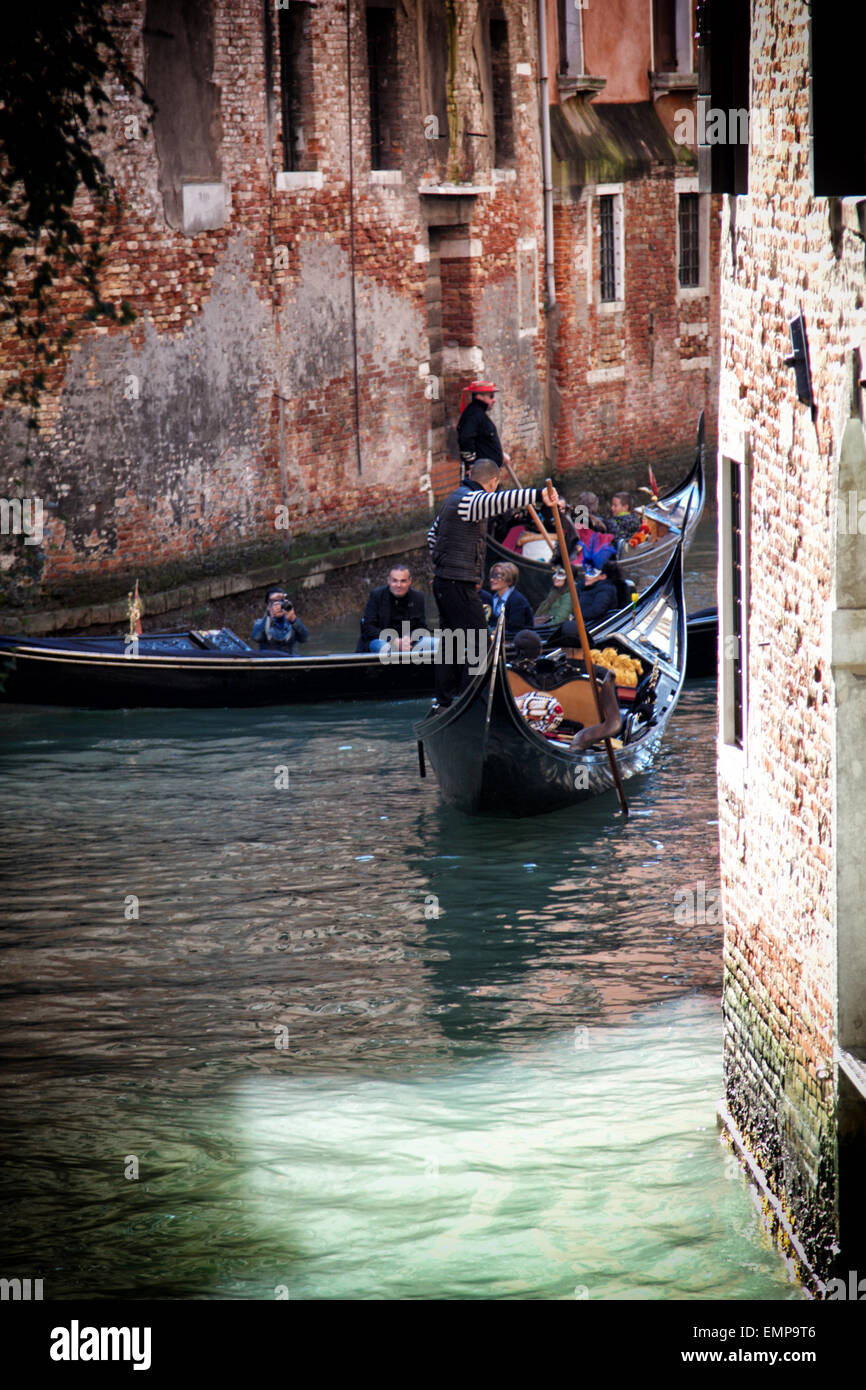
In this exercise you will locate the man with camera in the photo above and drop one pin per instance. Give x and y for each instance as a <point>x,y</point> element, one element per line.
<point>280,630</point>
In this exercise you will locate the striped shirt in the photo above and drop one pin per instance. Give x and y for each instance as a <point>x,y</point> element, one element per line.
<point>476,505</point>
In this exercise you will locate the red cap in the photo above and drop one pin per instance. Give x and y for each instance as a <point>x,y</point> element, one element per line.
<point>481,386</point>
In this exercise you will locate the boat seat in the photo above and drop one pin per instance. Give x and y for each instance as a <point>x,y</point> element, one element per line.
<point>575,697</point>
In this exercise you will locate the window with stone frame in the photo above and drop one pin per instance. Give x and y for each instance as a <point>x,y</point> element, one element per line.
<point>688,226</point>
<point>570,31</point>
<point>672,36</point>
<point>296,85</point>
<point>384,87</point>
<point>610,240</point>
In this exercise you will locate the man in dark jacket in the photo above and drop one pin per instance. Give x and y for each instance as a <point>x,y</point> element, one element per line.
<point>456,543</point>
<point>388,608</point>
<point>477,435</point>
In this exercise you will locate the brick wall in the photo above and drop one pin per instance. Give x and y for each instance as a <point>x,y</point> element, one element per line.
<point>631,381</point>
<point>280,364</point>
<point>776,805</point>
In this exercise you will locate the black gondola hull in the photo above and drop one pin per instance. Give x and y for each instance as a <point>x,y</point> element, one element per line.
<point>487,759</point>
<point>33,672</point>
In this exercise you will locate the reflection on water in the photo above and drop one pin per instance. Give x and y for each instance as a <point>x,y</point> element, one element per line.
<point>587,1165</point>
<point>356,1045</point>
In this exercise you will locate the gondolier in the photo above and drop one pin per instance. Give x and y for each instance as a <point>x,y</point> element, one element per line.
<point>477,435</point>
<point>456,543</point>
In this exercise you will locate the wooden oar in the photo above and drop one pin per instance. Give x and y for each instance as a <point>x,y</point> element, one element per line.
<point>532,512</point>
<point>584,642</point>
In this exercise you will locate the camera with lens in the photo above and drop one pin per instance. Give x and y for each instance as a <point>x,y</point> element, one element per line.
<point>287,605</point>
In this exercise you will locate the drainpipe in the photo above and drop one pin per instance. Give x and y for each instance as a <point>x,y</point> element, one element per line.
<point>546,158</point>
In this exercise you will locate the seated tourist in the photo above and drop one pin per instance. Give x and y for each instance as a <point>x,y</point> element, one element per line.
<point>622,521</point>
<point>390,607</point>
<point>280,629</point>
<point>572,541</point>
<point>557,606</point>
<point>586,515</point>
<point>598,595</point>
<point>505,594</point>
<point>518,532</point>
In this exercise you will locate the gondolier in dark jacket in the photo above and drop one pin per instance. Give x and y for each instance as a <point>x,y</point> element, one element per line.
<point>477,435</point>
<point>456,543</point>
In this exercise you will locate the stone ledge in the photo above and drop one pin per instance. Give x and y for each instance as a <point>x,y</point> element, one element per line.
<point>310,571</point>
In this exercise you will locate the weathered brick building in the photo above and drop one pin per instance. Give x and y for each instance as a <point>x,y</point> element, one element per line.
<point>336,219</point>
<point>792,594</point>
<point>635,352</point>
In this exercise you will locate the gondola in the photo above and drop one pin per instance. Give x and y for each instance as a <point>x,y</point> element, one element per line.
<point>638,564</point>
<point>194,670</point>
<point>703,640</point>
<point>489,760</point>
<point>218,670</point>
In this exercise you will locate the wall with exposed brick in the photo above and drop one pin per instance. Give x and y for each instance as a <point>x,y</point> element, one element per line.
<point>629,379</point>
<point>778,844</point>
<point>277,357</point>
<point>299,357</point>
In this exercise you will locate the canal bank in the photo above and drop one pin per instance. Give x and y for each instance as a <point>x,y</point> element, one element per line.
<point>327,580</point>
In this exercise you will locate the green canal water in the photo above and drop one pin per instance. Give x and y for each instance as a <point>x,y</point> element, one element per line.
<point>331,1040</point>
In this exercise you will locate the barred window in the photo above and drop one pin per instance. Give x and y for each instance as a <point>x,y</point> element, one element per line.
<point>690,255</point>
<point>608,247</point>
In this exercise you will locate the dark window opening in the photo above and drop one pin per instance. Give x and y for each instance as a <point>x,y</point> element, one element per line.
<point>179,57</point>
<point>503,110</point>
<point>434,76</point>
<point>296,85</point>
<point>665,35</point>
<point>382,62</point>
<point>737,632</point>
<point>690,255</point>
<point>838,109</point>
<point>724,34</point>
<point>608,247</point>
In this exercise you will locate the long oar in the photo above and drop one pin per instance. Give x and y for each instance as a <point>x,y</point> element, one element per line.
<point>584,642</point>
<point>532,512</point>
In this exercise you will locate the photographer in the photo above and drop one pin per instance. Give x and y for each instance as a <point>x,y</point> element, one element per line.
<point>280,629</point>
